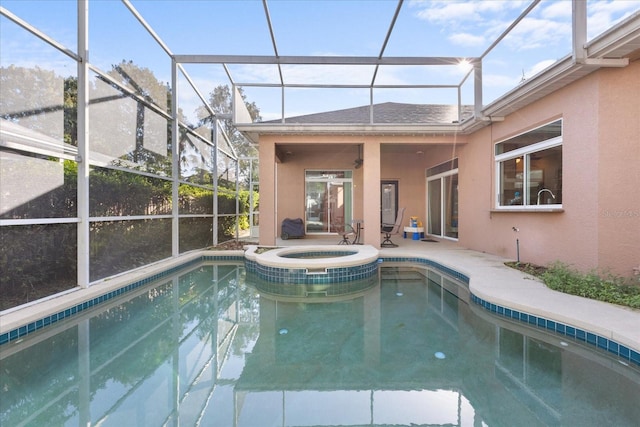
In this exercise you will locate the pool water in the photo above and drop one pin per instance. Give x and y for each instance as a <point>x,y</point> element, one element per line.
<point>205,348</point>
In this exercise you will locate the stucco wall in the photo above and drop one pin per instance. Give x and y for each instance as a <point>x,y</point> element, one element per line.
<point>292,171</point>
<point>407,166</point>
<point>619,168</point>
<point>543,236</point>
<point>600,127</point>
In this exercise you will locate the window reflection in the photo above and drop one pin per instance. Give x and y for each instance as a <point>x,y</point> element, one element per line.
<point>35,186</point>
<point>126,133</point>
<point>196,159</point>
<point>43,97</point>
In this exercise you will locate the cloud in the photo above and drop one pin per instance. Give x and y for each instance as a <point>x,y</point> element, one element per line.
<point>500,81</point>
<point>538,67</point>
<point>555,10</point>
<point>533,33</point>
<point>466,39</point>
<point>602,15</point>
<point>508,81</point>
<point>454,13</point>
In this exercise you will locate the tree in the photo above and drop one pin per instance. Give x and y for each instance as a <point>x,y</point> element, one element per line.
<point>220,102</point>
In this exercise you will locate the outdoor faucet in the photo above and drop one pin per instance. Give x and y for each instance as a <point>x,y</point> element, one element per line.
<point>542,191</point>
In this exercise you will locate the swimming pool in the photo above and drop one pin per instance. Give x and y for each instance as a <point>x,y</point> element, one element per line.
<point>205,347</point>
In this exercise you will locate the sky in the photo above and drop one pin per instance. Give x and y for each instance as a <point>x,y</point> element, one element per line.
<point>314,27</point>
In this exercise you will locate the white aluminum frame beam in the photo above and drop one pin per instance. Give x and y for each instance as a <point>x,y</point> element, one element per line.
<point>323,60</point>
<point>386,40</point>
<point>83,244</point>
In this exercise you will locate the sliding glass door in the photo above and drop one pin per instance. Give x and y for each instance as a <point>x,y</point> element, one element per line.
<point>435,207</point>
<point>328,201</point>
<point>442,200</point>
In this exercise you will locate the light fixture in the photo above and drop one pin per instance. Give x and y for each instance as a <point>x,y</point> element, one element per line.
<point>359,161</point>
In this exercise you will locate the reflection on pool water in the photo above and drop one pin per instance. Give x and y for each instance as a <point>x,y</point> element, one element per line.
<point>207,348</point>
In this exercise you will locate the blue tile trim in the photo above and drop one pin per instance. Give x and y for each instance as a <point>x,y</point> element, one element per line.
<point>603,343</point>
<point>21,331</point>
<point>300,276</point>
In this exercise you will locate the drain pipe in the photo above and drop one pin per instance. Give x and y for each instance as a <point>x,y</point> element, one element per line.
<point>516,229</point>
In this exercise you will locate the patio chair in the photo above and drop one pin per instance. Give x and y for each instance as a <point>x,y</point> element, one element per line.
<point>391,230</point>
<point>347,232</point>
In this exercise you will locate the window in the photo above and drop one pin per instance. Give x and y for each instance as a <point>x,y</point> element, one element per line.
<point>529,168</point>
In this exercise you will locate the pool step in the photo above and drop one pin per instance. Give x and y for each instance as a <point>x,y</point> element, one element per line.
<point>403,274</point>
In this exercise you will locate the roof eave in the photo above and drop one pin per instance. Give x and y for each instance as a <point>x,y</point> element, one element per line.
<point>346,129</point>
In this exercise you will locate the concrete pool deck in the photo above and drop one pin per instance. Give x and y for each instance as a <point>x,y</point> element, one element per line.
<point>490,280</point>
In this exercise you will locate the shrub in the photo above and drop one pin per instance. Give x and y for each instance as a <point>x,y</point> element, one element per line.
<point>601,287</point>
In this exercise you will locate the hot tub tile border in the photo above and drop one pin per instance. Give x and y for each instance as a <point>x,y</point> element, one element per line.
<point>304,276</point>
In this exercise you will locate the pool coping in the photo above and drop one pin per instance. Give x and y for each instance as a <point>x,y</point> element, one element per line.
<point>275,257</point>
<point>499,289</point>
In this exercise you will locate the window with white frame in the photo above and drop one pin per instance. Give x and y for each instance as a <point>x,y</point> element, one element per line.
<point>529,169</point>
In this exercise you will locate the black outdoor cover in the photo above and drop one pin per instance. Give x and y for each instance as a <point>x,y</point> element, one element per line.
<point>292,228</point>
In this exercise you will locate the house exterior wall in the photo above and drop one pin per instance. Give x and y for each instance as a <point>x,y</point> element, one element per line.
<point>543,236</point>
<point>598,226</point>
<point>339,152</point>
<point>619,168</point>
<point>600,223</point>
<point>408,166</point>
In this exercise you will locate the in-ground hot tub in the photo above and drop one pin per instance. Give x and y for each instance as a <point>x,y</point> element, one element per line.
<point>312,265</point>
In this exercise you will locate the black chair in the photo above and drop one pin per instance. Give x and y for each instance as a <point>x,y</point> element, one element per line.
<point>391,230</point>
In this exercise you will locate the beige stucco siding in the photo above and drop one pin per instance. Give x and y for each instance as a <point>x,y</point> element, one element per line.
<point>543,236</point>
<point>618,212</point>
<point>600,224</point>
